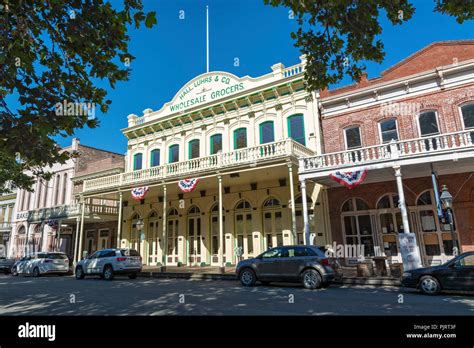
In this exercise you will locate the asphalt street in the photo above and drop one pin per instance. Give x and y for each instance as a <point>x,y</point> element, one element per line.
<point>55,295</point>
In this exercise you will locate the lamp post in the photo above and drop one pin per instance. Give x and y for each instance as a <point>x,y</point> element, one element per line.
<point>447,201</point>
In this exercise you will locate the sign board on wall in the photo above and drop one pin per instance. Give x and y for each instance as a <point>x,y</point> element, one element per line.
<point>410,251</point>
<point>205,89</point>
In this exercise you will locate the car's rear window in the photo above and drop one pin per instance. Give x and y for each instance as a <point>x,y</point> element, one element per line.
<point>57,256</point>
<point>129,252</point>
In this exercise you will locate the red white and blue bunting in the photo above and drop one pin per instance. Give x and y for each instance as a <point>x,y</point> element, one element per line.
<point>349,179</point>
<point>139,193</point>
<point>188,185</point>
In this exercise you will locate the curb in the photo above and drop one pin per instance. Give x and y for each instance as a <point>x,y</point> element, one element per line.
<point>386,281</point>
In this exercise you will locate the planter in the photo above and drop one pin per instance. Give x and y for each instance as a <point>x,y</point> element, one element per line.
<point>365,269</point>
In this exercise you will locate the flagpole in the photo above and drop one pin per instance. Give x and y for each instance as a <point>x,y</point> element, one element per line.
<point>207,38</point>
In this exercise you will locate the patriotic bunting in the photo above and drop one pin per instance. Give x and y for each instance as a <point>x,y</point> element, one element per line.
<point>188,185</point>
<point>139,193</point>
<point>349,179</point>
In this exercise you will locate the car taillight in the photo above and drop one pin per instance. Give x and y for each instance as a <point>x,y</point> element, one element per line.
<point>121,258</point>
<point>325,262</point>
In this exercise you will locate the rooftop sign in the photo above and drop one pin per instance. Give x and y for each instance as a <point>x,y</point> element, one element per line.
<point>206,88</point>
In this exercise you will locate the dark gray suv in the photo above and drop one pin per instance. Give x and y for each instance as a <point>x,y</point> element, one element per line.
<point>306,264</point>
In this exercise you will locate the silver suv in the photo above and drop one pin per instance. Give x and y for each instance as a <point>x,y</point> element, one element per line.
<point>42,263</point>
<point>109,262</point>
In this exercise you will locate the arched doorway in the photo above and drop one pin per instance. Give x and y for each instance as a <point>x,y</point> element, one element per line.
<point>357,225</point>
<point>135,242</point>
<point>215,239</point>
<point>172,233</point>
<point>390,224</point>
<point>436,243</point>
<point>153,246</point>
<point>243,229</point>
<point>194,240</point>
<point>272,223</point>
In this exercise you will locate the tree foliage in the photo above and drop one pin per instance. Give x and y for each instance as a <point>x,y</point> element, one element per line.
<point>338,35</point>
<point>57,51</point>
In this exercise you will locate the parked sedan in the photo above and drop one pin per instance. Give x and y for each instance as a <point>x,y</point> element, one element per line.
<point>456,274</point>
<point>306,264</point>
<point>42,263</point>
<point>6,265</point>
<point>109,262</point>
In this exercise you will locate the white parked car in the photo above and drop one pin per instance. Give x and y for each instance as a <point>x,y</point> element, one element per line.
<point>109,262</point>
<point>42,263</point>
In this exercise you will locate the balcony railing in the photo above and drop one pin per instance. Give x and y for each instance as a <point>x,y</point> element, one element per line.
<point>69,211</point>
<point>250,156</point>
<point>395,150</point>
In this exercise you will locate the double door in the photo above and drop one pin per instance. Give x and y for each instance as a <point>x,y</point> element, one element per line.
<point>194,241</point>
<point>272,229</point>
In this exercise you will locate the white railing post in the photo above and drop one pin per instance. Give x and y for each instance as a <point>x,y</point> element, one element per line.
<point>394,149</point>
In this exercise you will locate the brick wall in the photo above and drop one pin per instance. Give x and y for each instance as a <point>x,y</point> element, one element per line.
<point>461,186</point>
<point>445,103</point>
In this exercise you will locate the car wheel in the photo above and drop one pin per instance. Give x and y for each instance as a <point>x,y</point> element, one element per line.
<point>247,277</point>
<point>265,282</point>
<point>311,279</point>
<point>108,273</point>
<point>36,272</point>
<point>429,285</point>
<point>132,275</point>
<point>14,272</point>
<point>79,273</point>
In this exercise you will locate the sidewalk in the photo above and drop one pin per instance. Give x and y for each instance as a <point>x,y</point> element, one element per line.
<point>212,273</point>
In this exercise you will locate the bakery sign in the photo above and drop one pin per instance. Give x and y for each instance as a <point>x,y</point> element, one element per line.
<point>206,88</point>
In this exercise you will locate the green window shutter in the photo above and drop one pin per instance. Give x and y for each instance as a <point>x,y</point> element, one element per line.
<point>267,132</point>
<point>155,158</point>
<point>240,138</point>
<point>296,128</point>
<point>137,161</point>
<point>173,154</point>
<point>216,143</point>
<point>193,149</point>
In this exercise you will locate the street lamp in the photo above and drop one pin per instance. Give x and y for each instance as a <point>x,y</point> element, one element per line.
<point>447,201</point>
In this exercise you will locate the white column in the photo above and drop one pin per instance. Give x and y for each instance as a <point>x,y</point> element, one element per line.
<point>119,223</point>
<point>305,212</point>
<point>81,232</point>
<point>293,208</point>
<point>165,230</point>
<point>221,226</point>
<point>76,238</point>
<point>401,199</point>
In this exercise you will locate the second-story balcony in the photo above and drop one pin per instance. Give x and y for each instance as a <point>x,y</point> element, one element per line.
<point>69,211</point>
<point>251,157</point>
<point>436,148</point>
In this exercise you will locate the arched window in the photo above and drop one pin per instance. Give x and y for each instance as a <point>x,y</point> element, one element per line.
<point>173,212</point>
<point>296,128</point>
<point>194,210</point>
<point>468,115</point>
<point>240,138</point>
<point>267,132</point>
<point>243,205</point>
<point>64,189</point>
<point>155,158</point>
<point>138,161</point>
<point>153,215</point>
<point>173,153</point>
<point>193,148</point>
<point>354,204</point>
<point>216,143</point>
<point>272,203</point>
<point>388,130</point>
<point>428,123</point>
<point>357,225</point>
<point>352,137</point>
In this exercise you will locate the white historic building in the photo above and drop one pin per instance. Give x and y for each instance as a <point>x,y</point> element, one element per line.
<point>241,137</point>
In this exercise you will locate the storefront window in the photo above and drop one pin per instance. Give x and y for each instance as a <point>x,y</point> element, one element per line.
<point>358,225</point>
<point>428,222</point>
<point>431,244</point>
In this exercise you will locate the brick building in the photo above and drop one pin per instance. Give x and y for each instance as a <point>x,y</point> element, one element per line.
<point>415,120</point>
<point>46,219</point>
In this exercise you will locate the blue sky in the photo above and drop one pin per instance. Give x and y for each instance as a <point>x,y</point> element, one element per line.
<point>174,51</point>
